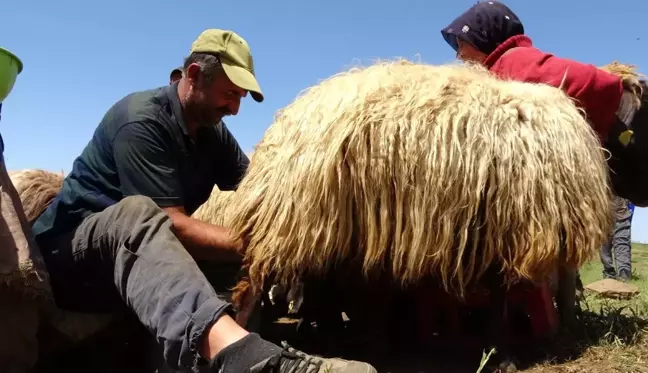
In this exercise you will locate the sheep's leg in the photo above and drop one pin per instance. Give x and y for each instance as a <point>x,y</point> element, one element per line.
<point>374,313</point>
<point>566,298</point>
<point>295,297</point>
<point>566,295</point>
<point>499,333</point>
<point>326,310</point>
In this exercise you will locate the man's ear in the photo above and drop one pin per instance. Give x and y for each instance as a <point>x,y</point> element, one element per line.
<point>193,74</point>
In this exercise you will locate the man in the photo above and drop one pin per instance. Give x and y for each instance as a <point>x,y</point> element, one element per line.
<point>176,75</point>
<point>489,33</point>
<point>620,244</point>
<point>120,231</point>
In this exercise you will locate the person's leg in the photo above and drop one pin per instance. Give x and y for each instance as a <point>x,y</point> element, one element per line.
<point>21,265</point>
<point>621,245</point>
<point>24,285</point>
<point>131,248</point>
<point>607,260</point>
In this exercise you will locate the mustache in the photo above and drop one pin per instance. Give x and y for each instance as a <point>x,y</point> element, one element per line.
<point>223,112</point>
<point>212,117</point>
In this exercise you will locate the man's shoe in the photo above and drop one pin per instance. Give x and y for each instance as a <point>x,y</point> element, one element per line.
<point>293,361</point>
<point>624,276</point>
<point>610,276</point>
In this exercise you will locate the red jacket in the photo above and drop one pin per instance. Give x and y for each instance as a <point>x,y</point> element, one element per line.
<point>596,91</point>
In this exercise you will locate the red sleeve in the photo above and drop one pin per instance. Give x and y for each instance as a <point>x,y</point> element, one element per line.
<point>596,91</point>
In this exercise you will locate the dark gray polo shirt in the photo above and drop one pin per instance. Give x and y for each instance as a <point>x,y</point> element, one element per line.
<point>141,147</point>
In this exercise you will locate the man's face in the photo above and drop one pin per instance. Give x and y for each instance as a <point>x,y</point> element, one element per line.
<point>468,53</point>
<point>207,103</point>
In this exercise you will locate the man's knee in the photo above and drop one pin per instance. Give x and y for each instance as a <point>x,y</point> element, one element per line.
<point>139,205</point>
<point>131,212</point>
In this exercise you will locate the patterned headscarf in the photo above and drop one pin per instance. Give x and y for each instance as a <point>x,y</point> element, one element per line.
<point>485,26</point>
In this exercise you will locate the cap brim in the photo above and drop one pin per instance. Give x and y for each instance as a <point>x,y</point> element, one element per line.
<point>242,78</point>
<point>450,38</point>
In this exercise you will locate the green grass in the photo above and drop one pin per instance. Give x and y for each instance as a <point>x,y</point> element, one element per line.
<point>613,334</point>
<point>592,272</point>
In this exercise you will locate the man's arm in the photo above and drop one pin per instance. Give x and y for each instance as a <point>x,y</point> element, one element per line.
<point>146,165</point>
<point>201,238</point>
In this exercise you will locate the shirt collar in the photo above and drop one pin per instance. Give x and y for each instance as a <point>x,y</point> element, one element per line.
<point>176,107</point>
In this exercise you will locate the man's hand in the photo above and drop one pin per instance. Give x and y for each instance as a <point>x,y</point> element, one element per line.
<point>204,241</point>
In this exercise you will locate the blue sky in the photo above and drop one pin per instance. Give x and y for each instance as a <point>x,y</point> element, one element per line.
<point>82,56</point>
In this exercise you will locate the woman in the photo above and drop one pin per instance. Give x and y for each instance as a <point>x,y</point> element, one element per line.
<point>489,33</point>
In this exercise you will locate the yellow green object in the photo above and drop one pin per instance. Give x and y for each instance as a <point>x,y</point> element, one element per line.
<point>10,67</point>
<point>625,137</point>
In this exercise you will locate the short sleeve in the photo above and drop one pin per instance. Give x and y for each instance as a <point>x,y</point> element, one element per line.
<point>146,163</point>
<point>233,161</point>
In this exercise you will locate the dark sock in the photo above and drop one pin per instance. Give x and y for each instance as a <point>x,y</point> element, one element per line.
<point>243,354</point>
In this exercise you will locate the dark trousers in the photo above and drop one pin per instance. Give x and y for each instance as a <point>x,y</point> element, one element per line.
<point>618,247</point>
<point>128,255</point>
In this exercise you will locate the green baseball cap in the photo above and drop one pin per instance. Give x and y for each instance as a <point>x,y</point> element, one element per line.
<point>235,56</point>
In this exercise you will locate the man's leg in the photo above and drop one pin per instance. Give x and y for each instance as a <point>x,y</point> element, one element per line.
<point>621,245</point>
<point>607,260</point>
<point>129,252</point>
